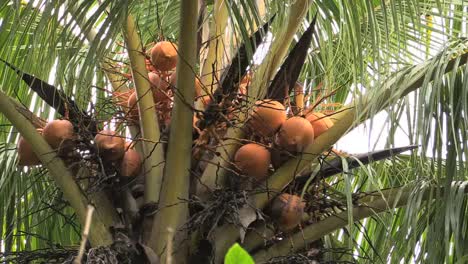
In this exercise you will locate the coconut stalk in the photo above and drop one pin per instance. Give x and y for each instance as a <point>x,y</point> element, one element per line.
<point>36,121</point>
<point>173,212</point>
<point>100,229</point>
<point>152,148</point>
<point>370,205</point>
<point>214,59</point>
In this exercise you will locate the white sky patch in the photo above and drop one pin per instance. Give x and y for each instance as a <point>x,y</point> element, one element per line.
<point>417,249</point>
<point>33,102</point>
<point>51,80</point>
<point>93,94</point>
<point>359,239</point>
<point>262,49</point>
<point>340,235</point>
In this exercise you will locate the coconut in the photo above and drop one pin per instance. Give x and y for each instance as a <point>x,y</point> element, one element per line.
<point>253,160</point>
<point>58,132</point>
<point>287,211</point>
<point>319,122</point>
<point>295,134</point>
<point>130,165</point>
<point>132,104</point>
<point>149,66</point>
<point>110,146</point>
<point>26,156</point>
<point>130,145</point>
<point>164,56</point>
<point>267,117</point>
<point>121,98</point>
<point>195,122</point>
<point>159,86</point>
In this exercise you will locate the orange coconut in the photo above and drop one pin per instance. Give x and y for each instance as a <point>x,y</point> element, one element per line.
<point>267,117</point>
<point>195,121</point>
<point>295,134</point>
<point>111,146</point>
<point>26,156</point>
<point>164,56</point>
<point>319,122</point>
<point>129,145</point>
<point>287,210</point>
<point>130,165</point>
<point>173,79</point>
<point>159,86</point>
<point>121,98</point>
<point>132,106</point>
<point>57,132</point>
<point>253,160</point>
<point>149,66</point>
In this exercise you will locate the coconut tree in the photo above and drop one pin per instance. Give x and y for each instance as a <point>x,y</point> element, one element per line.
<point>209,131</point>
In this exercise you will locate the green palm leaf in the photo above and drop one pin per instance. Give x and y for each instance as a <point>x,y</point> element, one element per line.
<point>404,59</point>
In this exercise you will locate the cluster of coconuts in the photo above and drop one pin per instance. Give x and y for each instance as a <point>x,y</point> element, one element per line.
<point>110,147</point>
<point>58,133</point>
<point>269,120</point>
<point>113,148</point>
<point>160,64</point>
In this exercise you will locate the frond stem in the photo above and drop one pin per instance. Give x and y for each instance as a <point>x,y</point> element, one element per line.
<point>102,221</point>
<point>173,212</point>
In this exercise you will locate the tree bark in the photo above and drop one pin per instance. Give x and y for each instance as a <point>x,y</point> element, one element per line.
<point>173,208</point>
<point>153,152</point>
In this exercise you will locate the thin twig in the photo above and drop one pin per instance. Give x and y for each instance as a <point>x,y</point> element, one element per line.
<point>89,217</point>
<point>170,236</point>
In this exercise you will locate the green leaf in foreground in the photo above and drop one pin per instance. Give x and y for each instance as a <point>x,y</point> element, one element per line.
<point>237,255</point>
